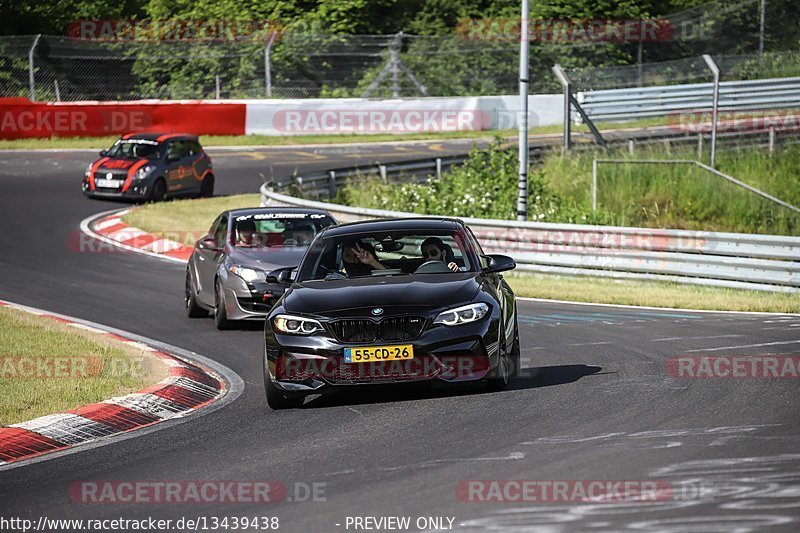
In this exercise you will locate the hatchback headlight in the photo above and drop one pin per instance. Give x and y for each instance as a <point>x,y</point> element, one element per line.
<point>296,325</point>
<point>462,315</point>
<point>248,274</point>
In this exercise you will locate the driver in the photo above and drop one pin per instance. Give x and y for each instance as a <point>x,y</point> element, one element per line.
<point>359,259</point>
<point>434,249</point>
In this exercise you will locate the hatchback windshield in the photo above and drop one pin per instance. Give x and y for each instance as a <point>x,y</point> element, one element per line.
<point>135,148</point>
<point>387,254</point>
<point>277,229</point>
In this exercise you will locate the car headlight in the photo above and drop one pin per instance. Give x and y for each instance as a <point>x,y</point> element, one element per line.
<point>143,172</point>
<point>248,274</point>
<point>462,315</point>
<point>296,325</point>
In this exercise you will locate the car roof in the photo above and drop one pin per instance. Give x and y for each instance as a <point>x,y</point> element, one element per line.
<point>396,224</point>
<point>260,210</point>
<point>156,136</point>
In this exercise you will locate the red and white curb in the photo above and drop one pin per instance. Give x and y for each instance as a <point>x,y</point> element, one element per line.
<point>109,228</point>
<point>188,388</point>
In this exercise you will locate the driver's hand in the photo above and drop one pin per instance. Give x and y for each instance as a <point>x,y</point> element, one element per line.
<point>452,266</point>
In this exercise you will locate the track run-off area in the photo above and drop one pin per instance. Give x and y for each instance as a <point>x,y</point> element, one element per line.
<point>599,398</point>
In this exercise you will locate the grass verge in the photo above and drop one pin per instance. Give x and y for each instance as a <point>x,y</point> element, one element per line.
<point>650,293</point>
<point>189,217</point>
<point>47,367</point>
<point>197,215</point>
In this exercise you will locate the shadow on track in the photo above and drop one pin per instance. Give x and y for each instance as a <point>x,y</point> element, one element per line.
<point>531,378</point>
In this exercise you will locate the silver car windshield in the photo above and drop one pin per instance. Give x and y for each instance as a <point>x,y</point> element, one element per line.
<point>269,230</point>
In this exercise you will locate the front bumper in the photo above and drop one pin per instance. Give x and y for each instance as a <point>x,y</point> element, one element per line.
<point>245,301</point>
<point>314,364</point>
<point>137,191</point>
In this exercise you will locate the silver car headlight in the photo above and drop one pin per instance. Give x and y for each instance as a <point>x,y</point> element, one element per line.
<point>248,274</point>
<point>462,315</point>
<point>143,172</point>
<point>296,325</point>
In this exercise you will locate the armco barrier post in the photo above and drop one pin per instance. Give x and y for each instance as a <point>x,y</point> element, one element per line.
<point>332,184</point>
<point>715,106</point>
<point>31,78</point>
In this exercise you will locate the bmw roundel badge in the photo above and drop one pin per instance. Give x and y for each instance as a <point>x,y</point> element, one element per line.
<point>377,311</point>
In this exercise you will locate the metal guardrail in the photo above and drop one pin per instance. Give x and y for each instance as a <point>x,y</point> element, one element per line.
<point>647,102</point>
<point>743,261</point>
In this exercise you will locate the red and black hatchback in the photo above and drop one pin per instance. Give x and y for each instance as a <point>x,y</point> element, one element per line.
<point>150,166</point>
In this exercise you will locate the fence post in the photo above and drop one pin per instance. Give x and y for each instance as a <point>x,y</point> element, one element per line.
<point>31,78</point>
<point>382,172</point>
<point>58,93</point>
<point>394,52</point>
<point>438,168</point>
<point>522,182</point>
<point>700,145</point>
<point>564,81</point>
<point>630,146</point>
<point>268,66</point>
<point>594,185</point>
<point>216,83</point>
<point>715,106</point>
<point>771,140</point>
<point>332,184</point>
<point>762,16</point>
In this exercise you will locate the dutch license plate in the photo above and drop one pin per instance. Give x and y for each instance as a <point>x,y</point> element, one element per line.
<point>370,354</point>
<point>109,183</point>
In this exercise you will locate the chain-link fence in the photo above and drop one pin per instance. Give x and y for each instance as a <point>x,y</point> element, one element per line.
<point>301,65</point>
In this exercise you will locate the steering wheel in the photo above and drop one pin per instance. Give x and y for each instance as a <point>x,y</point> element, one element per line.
<point>430,267</point>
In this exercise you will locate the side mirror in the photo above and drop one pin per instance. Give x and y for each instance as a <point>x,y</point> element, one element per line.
<point>281,275</point>
<point>499,263</point>
<point>209,243</point>
<point>103,153</point>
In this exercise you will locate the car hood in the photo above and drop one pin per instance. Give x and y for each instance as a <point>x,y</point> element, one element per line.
<point>267,258</point>
<point>119,163</point>
<point>395,294</point>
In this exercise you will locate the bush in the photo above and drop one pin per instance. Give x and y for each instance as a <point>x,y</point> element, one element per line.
<point>485,186</point>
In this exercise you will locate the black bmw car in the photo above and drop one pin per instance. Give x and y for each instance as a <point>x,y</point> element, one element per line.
<point>390,301</point>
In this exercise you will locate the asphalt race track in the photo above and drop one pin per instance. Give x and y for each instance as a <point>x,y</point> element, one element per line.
<point>597,402</point>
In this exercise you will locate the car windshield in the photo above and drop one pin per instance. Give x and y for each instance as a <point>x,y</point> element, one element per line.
<point>277,229</point>
<point>397,253</point>
<point>135,149</point>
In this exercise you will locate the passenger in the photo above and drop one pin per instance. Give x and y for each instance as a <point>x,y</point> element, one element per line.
<point>434,249</point>
<point>302,234</point>
<point>359,259</point>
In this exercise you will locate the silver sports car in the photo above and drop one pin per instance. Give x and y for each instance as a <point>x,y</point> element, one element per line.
<point>227,272</point>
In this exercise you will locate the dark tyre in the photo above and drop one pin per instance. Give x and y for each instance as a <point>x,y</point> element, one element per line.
<point>277,399</point>
<point>220,314</point>
<point>502,374</point>
<point>516,353</point>
<point>159,191</point>
<point>193,310</point>
<point>207,187</point>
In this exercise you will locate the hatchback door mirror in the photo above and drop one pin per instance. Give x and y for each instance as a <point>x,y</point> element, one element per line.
<point>209,243</point>
<point>499,263</point>
<point>103,153</point>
